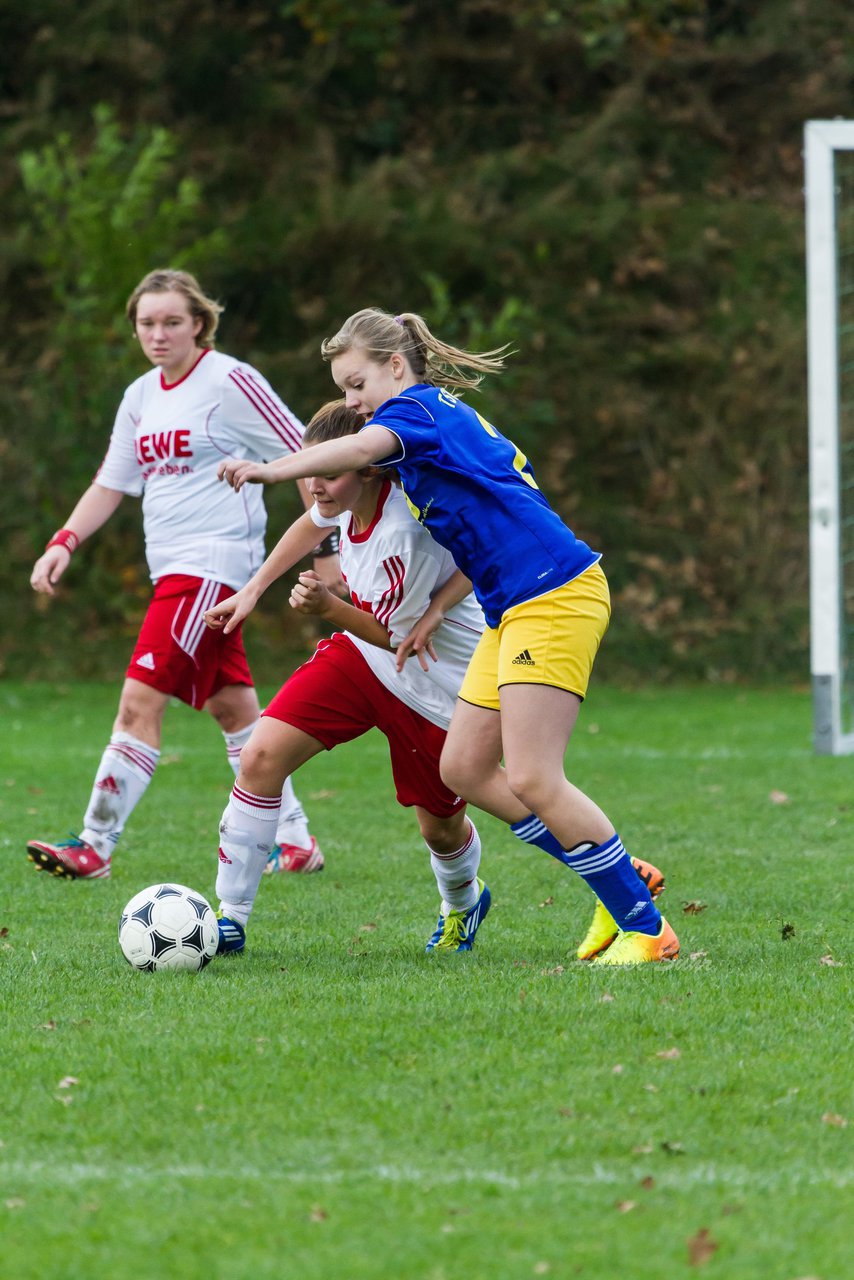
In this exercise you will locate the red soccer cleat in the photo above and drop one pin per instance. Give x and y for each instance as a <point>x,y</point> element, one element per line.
<point>290,857</point>
<point>72,858</point>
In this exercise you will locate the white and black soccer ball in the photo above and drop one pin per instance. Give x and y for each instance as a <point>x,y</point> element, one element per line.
<point>168,926</point>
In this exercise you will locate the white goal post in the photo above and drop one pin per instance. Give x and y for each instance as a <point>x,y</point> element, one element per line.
<point>829,192</point>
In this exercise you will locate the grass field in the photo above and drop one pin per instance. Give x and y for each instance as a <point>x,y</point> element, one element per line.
<point>336,1104</point>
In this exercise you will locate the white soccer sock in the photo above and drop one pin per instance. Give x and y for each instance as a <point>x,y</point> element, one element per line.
<point>125,771</point>
<point>246,836</point>
<point>293,824</point>
<point>456,874</point>
<point>234,744</point>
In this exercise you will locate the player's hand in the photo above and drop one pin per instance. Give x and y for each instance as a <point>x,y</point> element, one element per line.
<point>309,594</point>
<point>49,568</point>
<point>328,569</point>
<point>419,642</point>
<point>229,613</point>
<point>239,471</point>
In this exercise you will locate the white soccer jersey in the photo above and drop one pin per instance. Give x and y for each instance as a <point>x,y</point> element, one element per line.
<point>391,571</point>
<point>167,443</point>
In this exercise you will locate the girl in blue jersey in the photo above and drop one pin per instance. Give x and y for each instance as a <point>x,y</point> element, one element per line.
<point>542,590</point>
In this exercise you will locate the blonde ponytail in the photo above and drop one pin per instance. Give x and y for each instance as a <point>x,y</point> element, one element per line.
<point>381,335</point>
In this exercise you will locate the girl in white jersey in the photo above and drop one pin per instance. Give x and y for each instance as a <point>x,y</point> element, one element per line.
<point>393,570</point>
<point>175,424</point>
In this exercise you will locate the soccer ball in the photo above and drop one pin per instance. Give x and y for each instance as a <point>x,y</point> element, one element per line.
<point>168,927</point>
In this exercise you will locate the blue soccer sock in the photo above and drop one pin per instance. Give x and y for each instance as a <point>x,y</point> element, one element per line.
<point>532,831</point>
<point>609,872</point>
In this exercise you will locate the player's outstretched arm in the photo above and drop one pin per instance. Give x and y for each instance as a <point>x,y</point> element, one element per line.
<point>419,642</point>
<point>330,458</point>
<point>296,543</point>
<point>93,510</point>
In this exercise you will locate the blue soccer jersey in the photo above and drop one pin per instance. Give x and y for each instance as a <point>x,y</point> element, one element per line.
<point>476,493</point>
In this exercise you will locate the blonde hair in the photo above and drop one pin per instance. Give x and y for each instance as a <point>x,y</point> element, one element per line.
<point>201,306</point>
<point>381,336</point>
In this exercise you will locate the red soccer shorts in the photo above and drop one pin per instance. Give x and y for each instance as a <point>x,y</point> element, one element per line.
<point>335,697</point>
<point>176,653</point>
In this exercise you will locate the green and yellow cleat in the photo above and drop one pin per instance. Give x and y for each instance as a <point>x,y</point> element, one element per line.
<point>455,931</point>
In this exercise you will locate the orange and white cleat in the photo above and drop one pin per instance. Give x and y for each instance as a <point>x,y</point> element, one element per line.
<point>74,859</point>
<point>603,927</point>
<point>640,948</point>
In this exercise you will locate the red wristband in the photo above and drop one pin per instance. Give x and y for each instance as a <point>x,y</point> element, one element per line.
<point>65,538</point>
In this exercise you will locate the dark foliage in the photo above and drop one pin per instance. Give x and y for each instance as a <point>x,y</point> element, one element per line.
<point>614,186</point>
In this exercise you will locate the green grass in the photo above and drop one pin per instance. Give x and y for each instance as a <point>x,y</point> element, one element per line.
<point>336,1104</point>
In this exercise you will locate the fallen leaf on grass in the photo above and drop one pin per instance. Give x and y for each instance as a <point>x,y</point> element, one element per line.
<point>673,1148</point>
<point>645,1150</point>
<point>694,908</point>
<point>15,1203</point>
<point>836,1121</point>
<point>701,1248</point>
<point>48,1026</point>
<point>617,1069</point>
<point>651,1088</point>
<point>67,1081</point>
<point>606,998</point>
<point>65,1098</point>
<point>625,1206</point>
<point>317,1214</point>
<point>778,797</point>
<point>549,902</point>
<point>367,928</point>
<point>648,1182</point>
<point>670,1054</point>
<point>787,931</point>
<point>4,932</point>
<point>558,969</point>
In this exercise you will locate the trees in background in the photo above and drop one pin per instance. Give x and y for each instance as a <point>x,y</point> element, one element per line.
<point>613,186</point>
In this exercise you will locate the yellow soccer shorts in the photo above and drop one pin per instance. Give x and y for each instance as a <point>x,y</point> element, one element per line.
<point>551,640</point>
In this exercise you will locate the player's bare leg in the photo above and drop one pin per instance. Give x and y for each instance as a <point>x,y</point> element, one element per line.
<point>236,710</point>
<point>123,775</point>
<point>454,846</point>
<point>248,827</point>
<point>471,765</point>
<point>537,723</point>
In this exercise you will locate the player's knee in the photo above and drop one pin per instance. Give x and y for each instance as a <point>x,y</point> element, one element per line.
<point>443,835</point>
<point>456,773</point>
<point>139,716</point>
<point>260,769</point>
<point>529,784</point>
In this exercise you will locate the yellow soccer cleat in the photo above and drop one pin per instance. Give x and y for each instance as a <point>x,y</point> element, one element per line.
<point>603,927</point>
<point>638,948</point>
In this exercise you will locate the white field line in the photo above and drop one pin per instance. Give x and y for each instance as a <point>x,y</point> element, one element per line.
<point>16,1174</point>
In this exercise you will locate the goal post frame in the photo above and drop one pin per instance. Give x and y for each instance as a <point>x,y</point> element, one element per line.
<point>822,140</point>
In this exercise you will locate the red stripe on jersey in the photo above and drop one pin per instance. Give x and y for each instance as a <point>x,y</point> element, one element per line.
<point>271,410</point>
<point>391,598</point>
